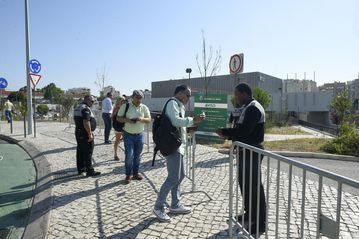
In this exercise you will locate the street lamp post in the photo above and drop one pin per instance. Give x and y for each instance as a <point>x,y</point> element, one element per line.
<point>189,71</point>
<point>28,86</point>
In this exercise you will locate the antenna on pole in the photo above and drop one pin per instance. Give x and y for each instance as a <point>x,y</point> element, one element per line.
<point>314,76</point>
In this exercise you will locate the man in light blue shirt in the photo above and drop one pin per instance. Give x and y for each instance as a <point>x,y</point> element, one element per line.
<point>106,115</point>
<point>175,111</point>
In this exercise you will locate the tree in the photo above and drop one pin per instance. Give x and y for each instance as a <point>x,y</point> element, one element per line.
<point>52,92</point>
<point>262,97</point>
<point>209,64</point>
<point>101,78</point>
<point>66,102</point>
<point>42,109</point>
<point>340,108</point>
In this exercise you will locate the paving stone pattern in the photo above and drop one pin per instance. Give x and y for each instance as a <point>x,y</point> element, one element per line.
<point>104,207</point>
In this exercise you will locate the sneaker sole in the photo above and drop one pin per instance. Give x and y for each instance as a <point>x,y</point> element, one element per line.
<point>161,219</point>
<point>182,212</point>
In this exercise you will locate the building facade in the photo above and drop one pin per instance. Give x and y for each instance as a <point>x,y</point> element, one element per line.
<point>335,88</point>
<point>292,86</point>
<point>223,84</point>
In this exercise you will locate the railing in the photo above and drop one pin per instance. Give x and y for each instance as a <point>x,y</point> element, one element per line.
<point>190,161</point>
<point>319,223</point>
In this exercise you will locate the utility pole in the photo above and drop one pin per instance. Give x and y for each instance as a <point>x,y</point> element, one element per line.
<point>28,84</point>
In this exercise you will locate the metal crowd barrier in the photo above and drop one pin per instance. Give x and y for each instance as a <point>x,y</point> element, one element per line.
<point>323,225</point>
<point>190,168</point>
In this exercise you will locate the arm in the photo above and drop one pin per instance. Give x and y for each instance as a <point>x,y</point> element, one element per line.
<point>250,120</point>
<point>173,112</point>
<point>147,116</point>
<point>86,122</point>
<point>87,126</point>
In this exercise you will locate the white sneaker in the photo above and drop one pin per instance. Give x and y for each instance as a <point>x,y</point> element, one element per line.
<point>83,174</point>
<point>181,210</point>
<point>162,216</point>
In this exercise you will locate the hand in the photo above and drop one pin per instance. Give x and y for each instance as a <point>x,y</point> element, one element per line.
<point>139,119</point>
<point>219,132</point>
<point>199,118</point>
<point>90,138</point>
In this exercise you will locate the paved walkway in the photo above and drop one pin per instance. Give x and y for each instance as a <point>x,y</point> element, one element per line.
<point>104,207</point>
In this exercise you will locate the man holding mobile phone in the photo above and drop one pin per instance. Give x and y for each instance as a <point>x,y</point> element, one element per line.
<point>137,116</point>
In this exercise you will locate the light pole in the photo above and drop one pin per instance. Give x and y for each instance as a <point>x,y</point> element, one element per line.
<point>28,86</point>
<point>189,71</point>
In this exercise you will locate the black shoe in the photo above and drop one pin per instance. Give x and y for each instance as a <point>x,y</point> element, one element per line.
<point>93,173</point>
<point>80,172</point>
<point>262,228</point>
<point>239,218</point>
<point>108,142</point>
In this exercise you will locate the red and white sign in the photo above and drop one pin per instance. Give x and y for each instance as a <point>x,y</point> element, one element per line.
<point>236,63</point>
<point>35,78</point>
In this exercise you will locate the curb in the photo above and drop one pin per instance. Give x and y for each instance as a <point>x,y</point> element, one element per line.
<point>38,221</point>
<point>308,155</point>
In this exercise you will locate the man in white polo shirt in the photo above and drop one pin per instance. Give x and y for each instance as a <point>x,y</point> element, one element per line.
<point>106,115</point>
<point>135,118</point>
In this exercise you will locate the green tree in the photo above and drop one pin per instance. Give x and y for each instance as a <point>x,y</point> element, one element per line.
<point>340,107</point>
<point>261,96</point>
<point>66,102</point>
<point>52,92</point>
<point>42,109</point>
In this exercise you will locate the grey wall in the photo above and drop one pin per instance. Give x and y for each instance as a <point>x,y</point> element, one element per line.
<point>223,84</point>
<point>309,101</point>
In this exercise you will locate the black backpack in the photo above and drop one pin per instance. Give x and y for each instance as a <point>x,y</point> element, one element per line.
<point>166,137</point>
<point>118,126</point>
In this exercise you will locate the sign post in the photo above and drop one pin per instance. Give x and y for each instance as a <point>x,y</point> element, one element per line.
<point>3,85</point>
<point>35,78</point>
<point>215,108</point>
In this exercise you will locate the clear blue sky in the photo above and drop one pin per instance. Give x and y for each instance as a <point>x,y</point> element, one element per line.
<point>143,41</point>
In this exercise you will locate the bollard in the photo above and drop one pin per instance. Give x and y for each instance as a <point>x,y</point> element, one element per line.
<point>24,126</point>
<point>34,126</point>
<point>11,126</point>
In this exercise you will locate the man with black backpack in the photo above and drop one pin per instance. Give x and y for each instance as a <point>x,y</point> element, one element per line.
<point>174,110</point>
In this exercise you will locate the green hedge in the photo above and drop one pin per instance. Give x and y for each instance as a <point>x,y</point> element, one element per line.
<point>347,143</point>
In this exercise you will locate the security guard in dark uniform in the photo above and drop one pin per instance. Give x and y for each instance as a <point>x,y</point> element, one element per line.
<point>249,130</point>
<point>85,125</point>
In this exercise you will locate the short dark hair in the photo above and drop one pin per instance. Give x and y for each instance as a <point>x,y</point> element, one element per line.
<point>181,88</point>
<point>244,88</point>
<point>109,94</point>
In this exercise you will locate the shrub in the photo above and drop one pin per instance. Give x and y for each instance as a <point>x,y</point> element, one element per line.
<point>347,143</point>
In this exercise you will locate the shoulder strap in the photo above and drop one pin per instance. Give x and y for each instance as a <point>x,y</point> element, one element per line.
<point>126,109</point>
<point>164,108</point>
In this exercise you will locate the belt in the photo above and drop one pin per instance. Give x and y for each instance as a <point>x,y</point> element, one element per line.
<point>133,134</point>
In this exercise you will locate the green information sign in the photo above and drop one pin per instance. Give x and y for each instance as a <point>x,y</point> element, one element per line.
<point>215,107</point>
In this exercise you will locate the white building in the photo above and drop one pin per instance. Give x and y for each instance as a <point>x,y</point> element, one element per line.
<point>107,89</point>
<point>293,86</point>
<point>79,91</point>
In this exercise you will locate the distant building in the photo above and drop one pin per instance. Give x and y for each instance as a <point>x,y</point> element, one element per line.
<point>107,89</point>
<point>293,86</point>
<point>78,92</point>
<point>335,88</point>
<point>353,88</point>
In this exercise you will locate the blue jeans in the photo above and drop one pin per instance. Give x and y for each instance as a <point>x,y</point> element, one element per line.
<point>175,170</point>
<point>8,116</point>
<point>133,150</point>
<point>107,120</point>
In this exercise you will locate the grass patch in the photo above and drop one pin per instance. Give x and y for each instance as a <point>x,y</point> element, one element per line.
<point>297,145</point>
<point>286,130</point>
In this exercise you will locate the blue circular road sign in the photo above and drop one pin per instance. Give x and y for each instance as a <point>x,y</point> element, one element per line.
<point>35,66</point>
<point>3,83</point>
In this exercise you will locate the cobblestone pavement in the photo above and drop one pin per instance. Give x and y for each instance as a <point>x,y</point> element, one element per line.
<point>104,207</point>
